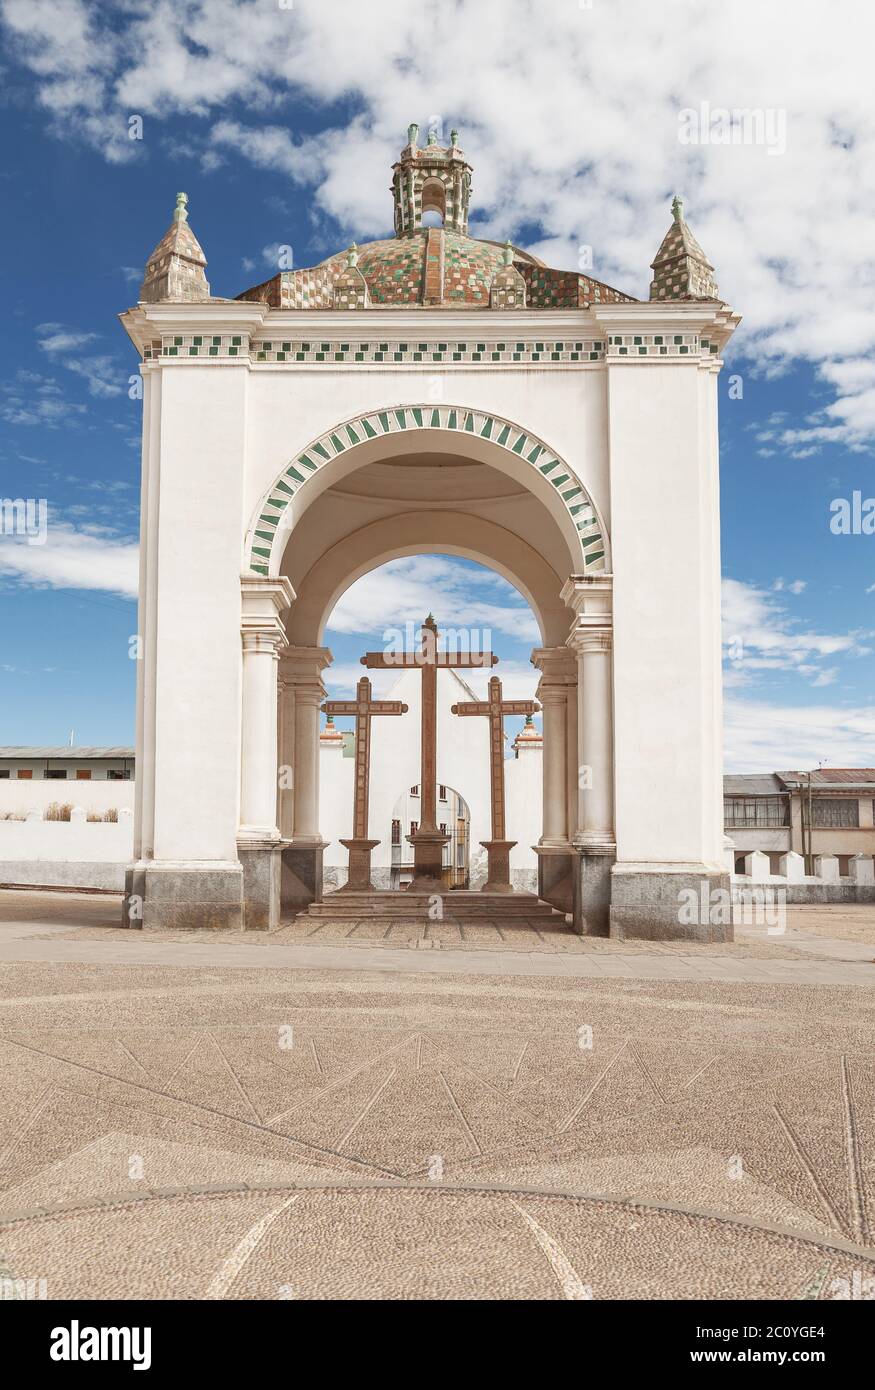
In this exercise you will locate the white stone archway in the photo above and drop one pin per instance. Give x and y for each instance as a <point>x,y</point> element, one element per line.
<point>573,549</point>
<point>475,434</point>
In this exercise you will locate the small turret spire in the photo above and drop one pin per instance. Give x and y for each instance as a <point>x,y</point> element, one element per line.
<point>681,269</point>
<point>176,269</point>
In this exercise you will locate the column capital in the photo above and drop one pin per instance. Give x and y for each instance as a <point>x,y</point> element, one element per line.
<point>590,634</point>
<point>556,665</point>
<point>267,597</point>
<point>264,640</point>
<point>588,593</point>
<point>262,601</point>
<point>302,665</point>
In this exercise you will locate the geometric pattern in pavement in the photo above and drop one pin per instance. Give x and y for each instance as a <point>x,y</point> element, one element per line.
<point>444,1136</point>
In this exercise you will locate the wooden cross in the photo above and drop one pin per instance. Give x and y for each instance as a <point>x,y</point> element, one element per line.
<point>364,708</point>
<point>498,848</point>
<point>428,841</point>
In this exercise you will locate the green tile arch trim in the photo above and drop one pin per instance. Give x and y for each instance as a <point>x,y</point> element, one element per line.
<point>347,436</point>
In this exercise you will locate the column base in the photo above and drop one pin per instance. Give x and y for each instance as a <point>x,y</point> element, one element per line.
<point>498,873</point>
<point>671,902</point>
<point>359,872</point>
<point>591,911</point>
<point>301,875</point>
<point>555,876</point>
<point>184,895</point>
<point>261,883</point>
<point>428,861</point>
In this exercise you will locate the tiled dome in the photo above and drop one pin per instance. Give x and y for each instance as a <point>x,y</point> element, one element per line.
<point>438,267</point>
<point>396,270</point>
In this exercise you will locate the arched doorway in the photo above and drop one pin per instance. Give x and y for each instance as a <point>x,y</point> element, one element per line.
<point>414,480</point>
<point>454,819</point>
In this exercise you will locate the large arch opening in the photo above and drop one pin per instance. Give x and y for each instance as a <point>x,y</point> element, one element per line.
<point>431,486</point>
<point>388,603</point>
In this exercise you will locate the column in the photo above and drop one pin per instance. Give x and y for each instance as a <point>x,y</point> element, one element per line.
<point>308,697</point>
<point>258,838</point>
<point>301,676</point>
<point>553,700</point>
<point>554,852</point>
<point>594,838</point>
<point>263,638</point>
<point>286,757</point>
<point>595,738</point>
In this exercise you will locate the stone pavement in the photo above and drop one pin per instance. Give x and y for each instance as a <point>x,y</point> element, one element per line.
<point>270,1119</point>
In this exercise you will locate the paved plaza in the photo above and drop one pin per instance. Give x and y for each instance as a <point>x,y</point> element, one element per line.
<point>288,1117</point>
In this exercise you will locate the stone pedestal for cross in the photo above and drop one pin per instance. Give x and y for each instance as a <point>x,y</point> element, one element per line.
<point>359,846</point>
<point>428,840</point>
<point>498,848</point>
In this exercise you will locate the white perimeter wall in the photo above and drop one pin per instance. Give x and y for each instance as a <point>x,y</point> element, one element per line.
<point>17,798</point>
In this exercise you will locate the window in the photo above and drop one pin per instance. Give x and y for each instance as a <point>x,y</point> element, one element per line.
<point>414,826</point>
<point>443,827</point>
<point>55,774</point>
<point>834,812</point>
<point>414,791</point>
<point>396,832</point>
<point>753,811</point>
<point>115,774</point>
<point>83,774</point>
<point>25,774</point>
<point>442,793</point>
<point>4,771</point>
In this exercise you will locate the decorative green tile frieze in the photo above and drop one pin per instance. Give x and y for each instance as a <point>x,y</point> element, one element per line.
<point>634,345</point>
<point>448,353</point>
<point>201,345</point>
<point>376,424</point>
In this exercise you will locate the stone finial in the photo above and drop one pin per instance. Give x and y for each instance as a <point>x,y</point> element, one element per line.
<point>412,132</point>
<point>432,136</point>
<point>508,288</point>
<point>681,270</point>
<point>350,288</point>
<point>454,139</point>
<point>176,269</point>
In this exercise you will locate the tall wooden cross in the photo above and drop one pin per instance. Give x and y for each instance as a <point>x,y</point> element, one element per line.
<point>498,848</point>
<point>364,708</point>
<point>427,840</point>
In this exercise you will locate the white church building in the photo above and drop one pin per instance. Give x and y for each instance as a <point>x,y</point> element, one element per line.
<point>430,392</point>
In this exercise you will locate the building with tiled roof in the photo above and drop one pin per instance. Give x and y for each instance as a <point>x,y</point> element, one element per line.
<point>436,266</point>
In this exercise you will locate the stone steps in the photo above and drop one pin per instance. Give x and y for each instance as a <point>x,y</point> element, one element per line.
<point>458,906</point>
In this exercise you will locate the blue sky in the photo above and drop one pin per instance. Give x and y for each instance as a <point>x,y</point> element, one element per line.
<point>281,124</point>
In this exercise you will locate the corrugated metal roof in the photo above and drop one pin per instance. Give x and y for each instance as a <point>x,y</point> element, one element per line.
<point>71,754</point>
<point>825,775</point>
<point>752,784</point>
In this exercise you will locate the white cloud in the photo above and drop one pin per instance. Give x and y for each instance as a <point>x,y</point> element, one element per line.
<point>100,372</point>
<point>760,635</point>
<point>405,591</point>
<point>762,737</point>
<point>88,557</point>
<point>31,398</point>
<point>571,120</point>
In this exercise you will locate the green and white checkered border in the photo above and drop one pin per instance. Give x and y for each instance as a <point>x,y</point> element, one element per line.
<point>410,418</point>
